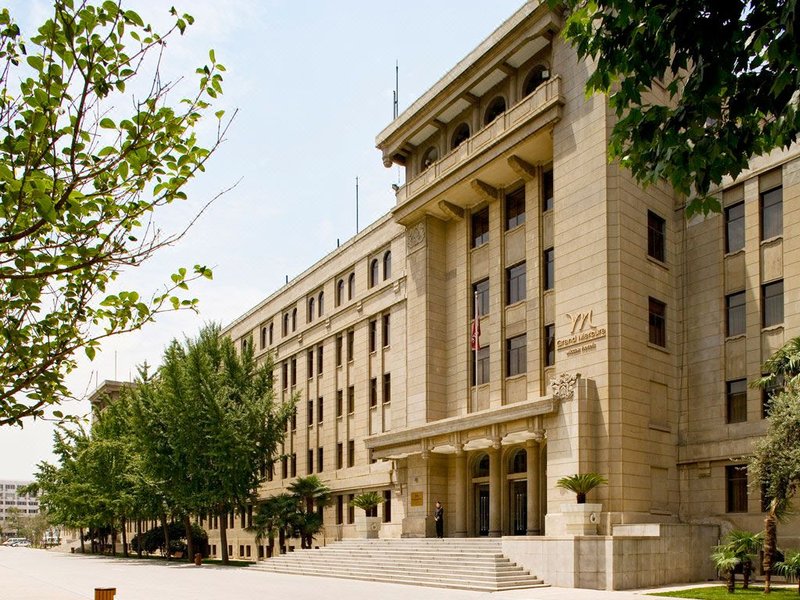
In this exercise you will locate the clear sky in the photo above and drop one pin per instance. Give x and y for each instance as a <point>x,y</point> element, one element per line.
<point>313,83</point>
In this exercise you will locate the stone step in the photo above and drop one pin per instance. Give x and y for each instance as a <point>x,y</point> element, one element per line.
<point>403,568</point>
<point>399,554</point>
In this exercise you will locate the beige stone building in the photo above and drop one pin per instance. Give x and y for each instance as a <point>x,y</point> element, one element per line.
<point>615,336</point>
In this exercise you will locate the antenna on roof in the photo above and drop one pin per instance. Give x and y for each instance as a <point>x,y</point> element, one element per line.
<point>396,107</point>
<point>356,204</point>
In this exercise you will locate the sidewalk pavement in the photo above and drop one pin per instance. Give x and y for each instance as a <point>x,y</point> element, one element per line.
<point>28,574</point>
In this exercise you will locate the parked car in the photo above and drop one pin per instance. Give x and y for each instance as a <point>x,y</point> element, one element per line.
<point>17,541</point>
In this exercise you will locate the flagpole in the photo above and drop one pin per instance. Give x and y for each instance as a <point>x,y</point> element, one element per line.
<point>474,342</point>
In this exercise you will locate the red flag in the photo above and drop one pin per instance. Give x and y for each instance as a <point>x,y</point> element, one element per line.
<point>475,340</point>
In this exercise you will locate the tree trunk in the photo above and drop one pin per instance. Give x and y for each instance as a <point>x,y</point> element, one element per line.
<point>731,581</point>
<point>770,540</point>
<point>124,523</point>
<point>187,522</point>
<point>281,540</point>
<point>223,535</point>
<point>747,568</point>
<point>139,538</point>
<point>165,528</point>
<point>83,547</point>
<point>113,539</point>
<point>271,544</point>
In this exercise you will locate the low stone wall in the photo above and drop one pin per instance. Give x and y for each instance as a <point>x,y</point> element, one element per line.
<point>635,556</point>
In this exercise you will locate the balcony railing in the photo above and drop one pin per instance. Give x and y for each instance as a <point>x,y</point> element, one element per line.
<point>537,102</point>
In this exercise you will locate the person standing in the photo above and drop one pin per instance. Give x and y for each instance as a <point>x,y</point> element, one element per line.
<point>438,517</point>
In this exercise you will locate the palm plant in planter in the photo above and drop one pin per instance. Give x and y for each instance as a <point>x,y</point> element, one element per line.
<point>726,561</point>
<point>369,524</point>
<point>790,567</point>
<point>581,484</point>
<point>745,546</point>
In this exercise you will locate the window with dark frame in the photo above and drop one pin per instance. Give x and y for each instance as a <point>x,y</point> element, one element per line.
<point>320,362</point>
<point>293,464</point>
<point>351,399</point>
<point>320,409</point>
<point>311,309</point>
<point>549,345</point>
<point>374,272</point>
<point>736,316</point>
<point>310,412</point>
<point>284,467</point>
<point>385,331</point>
<point>734,228</point>
<point>387,388</point>
<point>771,213</point>
<point>339,455</point>
<point>321,304</point>
<point>549,268</point>
<point>339,344</point>
<point>547,191</point>
<point>351,286</point>
<point>656,236</point>
<point>387,265</point>
<point>482,366</point>
<point>310,464</point>
<point>351,510</point>
<point>351,453</point>
<point>736,400</point>
<point>320,460</point>
<point>516,284</point>
<point>387,506</point>
<point>516,355</point>
<point>285,375</point>
<point>658,322</point>
<point>293,371</point>
<point>340,292</point>
<point>736,488</point>
<point>373,335</point>
<point>294,419</point>
<point>310,363</point>
<point>515,208</point>
<point>772,303</point>
<point>481,288</point>
<point>373,392</point>
<point>480,227</point>
<point>351,338</point>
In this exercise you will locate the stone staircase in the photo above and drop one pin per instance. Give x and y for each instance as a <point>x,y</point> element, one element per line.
<point>466,563</point>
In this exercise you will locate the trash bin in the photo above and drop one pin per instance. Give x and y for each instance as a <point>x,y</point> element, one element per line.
<point>105,593</point>
<point>198,559</point>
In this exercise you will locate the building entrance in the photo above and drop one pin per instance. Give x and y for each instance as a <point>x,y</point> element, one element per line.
<point>482,512</point>
<point>519,507</point>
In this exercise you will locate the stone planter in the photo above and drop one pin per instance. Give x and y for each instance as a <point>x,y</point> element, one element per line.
<point>581,519</point>
<point>368,527</point>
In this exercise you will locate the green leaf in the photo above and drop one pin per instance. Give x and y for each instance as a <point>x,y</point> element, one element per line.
<point>107,123</point>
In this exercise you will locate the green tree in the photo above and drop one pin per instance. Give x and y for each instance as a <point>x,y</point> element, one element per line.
<point>84,166</point>
<point>274,515</point>
<point>312,494</point>
<point>691,112</point>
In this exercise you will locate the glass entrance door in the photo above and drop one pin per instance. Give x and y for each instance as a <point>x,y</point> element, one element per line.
<point>482,511</point>
<point>519,507</point>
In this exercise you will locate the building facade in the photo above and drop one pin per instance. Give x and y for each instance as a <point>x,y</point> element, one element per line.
<point>12,501</point>
<point>616,336</point>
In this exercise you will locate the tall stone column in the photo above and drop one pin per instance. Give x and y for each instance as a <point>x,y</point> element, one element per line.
<point>495,491</point>
<point>460,520</point>
<point>533,478</point>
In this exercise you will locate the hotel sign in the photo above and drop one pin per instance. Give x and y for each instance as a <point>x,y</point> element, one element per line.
<point>583,334</point>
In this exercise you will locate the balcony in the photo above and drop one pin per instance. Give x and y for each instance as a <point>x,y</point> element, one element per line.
<point>545,101</point>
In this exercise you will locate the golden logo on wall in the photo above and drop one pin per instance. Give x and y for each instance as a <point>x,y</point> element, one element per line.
<point>416,498</point>
<point>584,332</point>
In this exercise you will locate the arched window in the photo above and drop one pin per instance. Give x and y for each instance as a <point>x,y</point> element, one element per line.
<point>387,265</point>
<point>269,336</point>
<point>351,286</point>
<point>482,467</point>
<point>321,304</point>
<point>340,292</point>
<point>294,319</point>
<point>311,309</point>
<point>538,75</point>
<point>496,108</point>
<point>285,330</point>
<point>460,135</point>
<point>431,156</point>
<point>263,337</point>
<point>373,272</point>
<point>519,462</point>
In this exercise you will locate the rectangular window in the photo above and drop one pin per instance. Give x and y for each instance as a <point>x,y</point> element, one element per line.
<point>736,488</point>
<point>656,236</point>
<point>480,293</point>
<point>285,375</point>
<point>338,351</point>
<point>319,360</point>
<point>516,355</point>
<point>482,366</point>
<point>351,510</point>
<point>310,363</point>
<point>734,228</point>
<point>772,304</point>
<point>339,510</point>
<point>351,339</point>
<point>339,402</point>
<point>549,345</point>
<point>515,208</point>
<point>310,461</point>
<point>320,461</point>
<point>515,283</point>
<point>658,323</point>
<point>284,467</point>
<point>294,419</point>
<point>339,455</point>
<point>385,333</point>
<point>547,191</point>
<point>320,410</point>
<point>387,388</point>
<point>735,314</point>
<point>293,370</point>
<point>310,413</point>
<point>373,392</point>
<point>480,227</point>
<point>351,399</point>
<point>387,506</point>
<point>351,453</point>
<point>373,335</point>
<point>772,213</point>
<point>736,394</point>
<point>293,464</point>
<point>549,269</point>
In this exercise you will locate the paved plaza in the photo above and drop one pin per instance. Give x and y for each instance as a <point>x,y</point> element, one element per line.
<point>28,574</point>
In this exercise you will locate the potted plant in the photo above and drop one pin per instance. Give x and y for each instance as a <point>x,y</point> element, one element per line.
<point>581,518</point>
<point>368,524</point>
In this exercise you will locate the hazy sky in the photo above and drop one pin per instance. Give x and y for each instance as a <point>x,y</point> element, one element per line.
<point>313,84</point>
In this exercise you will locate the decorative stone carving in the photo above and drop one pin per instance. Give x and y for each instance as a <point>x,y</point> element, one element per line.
<point>415,235</point>
<point>564,386</point>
